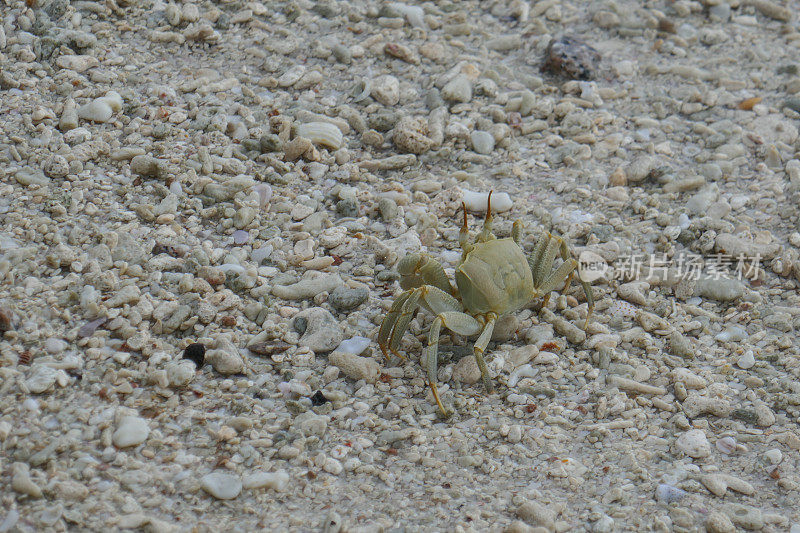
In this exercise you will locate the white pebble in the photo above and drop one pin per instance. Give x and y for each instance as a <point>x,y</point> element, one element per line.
<point>132,431</point>
<point>413,14</point>
<point>260,254</point>
<point>42,378</point>
<point>97,111</point>
<point>181,373</point>
<point>276,481</point>
<point>525,371</point>
<point>333,466</point>
<point>54,346</point>
<point>477,201</point>
<point>321,133</point>
<point>355,345</point>
<point>732,334</point>
<point>746,360</point>
<point>221,485</point>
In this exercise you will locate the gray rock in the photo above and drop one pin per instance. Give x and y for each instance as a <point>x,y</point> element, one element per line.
<point>719,522</point>
<point>744,516</point>
<point>680,345</point>
<point>388,209</point>
<point>270,143</point>
<point>147,166</point>
<point>342,54</point>
<point>348,208</point>
<point>356,367</point>
<point>29,176</point>
<point>722,289</point>
<point>345,298</point>
<point>42,378</point>
<point>640,168</point>
<point>386,90</point>
<point>537,514</point>
<point>21,481</point>
<point>128,249</point>
<point>458,90</point>
<point>221,485</point>
<point>482,142</point>
<point>466,370</point>
<point>180,373</point>
<point>307,288</point>
<point>694,444</point>
<point>225,358</point>
<point>56,166</point>
<point>322,331</point>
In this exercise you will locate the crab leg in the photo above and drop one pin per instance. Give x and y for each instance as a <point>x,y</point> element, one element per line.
<point>538,250</point>
<point>396,322</point>
<point>458,322</point>
<point>516,232</point>
<point>480,347</point>
<point>587,291</point>
<point>563,273</point>
<point>544,265</point>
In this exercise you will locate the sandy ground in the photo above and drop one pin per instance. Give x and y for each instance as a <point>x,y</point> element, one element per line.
<point>247,176</point>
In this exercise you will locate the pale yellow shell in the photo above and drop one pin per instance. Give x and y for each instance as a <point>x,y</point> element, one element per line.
<point>321,133</point>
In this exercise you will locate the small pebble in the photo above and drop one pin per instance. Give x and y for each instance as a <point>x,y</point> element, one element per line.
<point>482,142</point>
<point>196,353</point>
<point>746,360</point>
<point>221,485</point>
<point>131,431</point>
<point>572,58</point>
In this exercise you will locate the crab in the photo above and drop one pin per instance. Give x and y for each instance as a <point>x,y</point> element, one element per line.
<point>493,278</point>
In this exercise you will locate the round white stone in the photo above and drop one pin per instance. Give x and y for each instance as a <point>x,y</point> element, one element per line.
<point>132,431</point>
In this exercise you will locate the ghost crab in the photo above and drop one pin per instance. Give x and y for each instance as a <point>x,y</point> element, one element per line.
<point>493,278</point>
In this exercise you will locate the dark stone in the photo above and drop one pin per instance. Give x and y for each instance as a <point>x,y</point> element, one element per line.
<point>300,324</point>
<point>746,415</point>
<point>434,99</point>
<point>344,298</point>
<point>318,399</point>
<point>5,322</point>
<point>347,208</point>
<point>270,143</point>
<point>196,353</point>
<point>572,58</point>
<point>383,120</point>
<point>793,104</point>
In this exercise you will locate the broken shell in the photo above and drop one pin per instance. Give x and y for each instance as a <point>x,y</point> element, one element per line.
<point>476,201</point>
<point>362,90</point>
<point>321,133</point>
